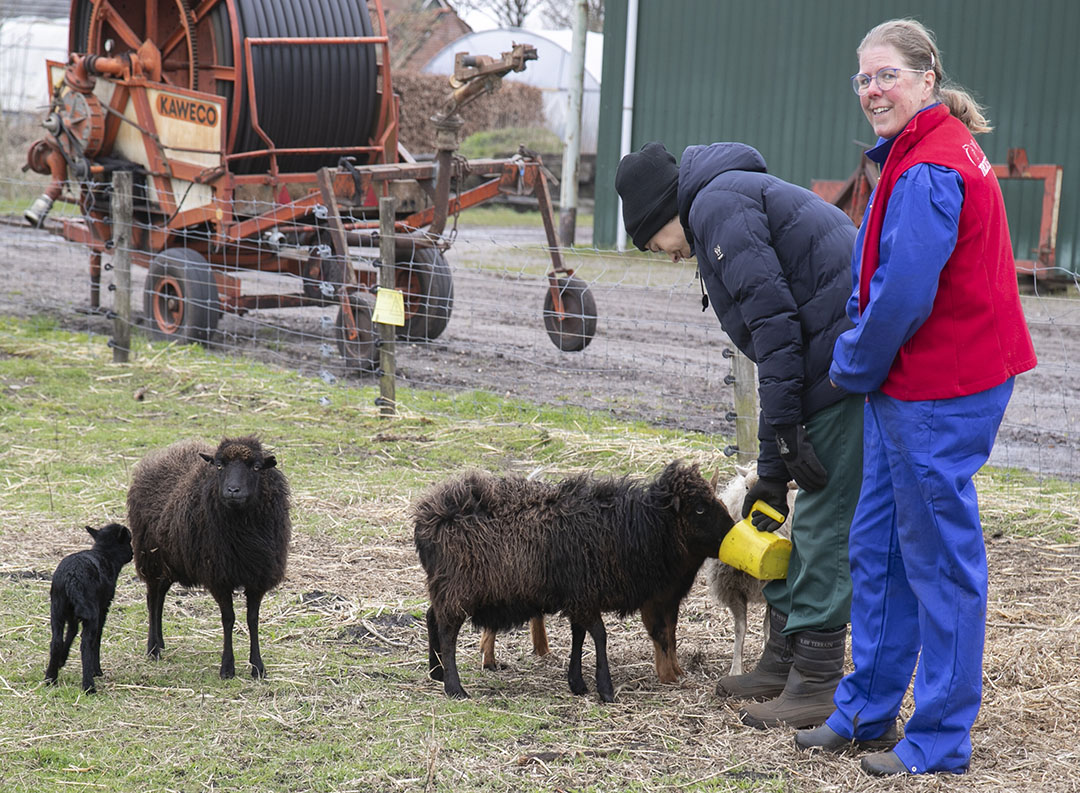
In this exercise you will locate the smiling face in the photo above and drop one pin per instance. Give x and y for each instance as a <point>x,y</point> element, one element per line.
<point>671,239</point>
<point>890,111</point>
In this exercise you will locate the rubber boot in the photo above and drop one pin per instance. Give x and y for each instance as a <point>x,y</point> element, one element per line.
<point>807,698</point>
<point>772,671</point>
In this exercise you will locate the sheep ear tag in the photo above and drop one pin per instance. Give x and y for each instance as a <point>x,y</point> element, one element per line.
<point>762,554</point>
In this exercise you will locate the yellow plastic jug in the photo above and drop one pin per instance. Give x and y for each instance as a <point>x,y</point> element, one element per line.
<point>762,554</point>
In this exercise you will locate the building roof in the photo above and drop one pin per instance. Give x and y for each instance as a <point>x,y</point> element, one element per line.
<point>44,9</point>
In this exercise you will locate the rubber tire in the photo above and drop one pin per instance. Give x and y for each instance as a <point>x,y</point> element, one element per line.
<point>361,354</point>
<point>578,325</point>
<point>428,288</point>
<point>189,308</point>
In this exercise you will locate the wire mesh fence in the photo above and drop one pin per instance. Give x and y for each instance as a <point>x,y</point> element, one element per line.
<point>487,327</point>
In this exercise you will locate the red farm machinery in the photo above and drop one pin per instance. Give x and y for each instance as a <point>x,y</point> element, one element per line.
<point>260,135</point>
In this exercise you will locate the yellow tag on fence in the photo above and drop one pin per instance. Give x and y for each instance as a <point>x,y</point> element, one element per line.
<point>389,307</point>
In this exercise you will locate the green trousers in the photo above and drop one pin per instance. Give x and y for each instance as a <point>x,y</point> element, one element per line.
<point>816,595</point>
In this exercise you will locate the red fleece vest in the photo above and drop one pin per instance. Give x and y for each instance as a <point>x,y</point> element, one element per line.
<point>975,337</point>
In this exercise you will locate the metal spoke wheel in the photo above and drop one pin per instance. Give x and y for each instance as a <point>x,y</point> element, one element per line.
<point>429,294</point>
<point>356,334</point>
<point>180,298</point>
<point>573,331</point>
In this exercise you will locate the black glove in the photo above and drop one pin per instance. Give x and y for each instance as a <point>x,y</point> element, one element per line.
<point>798,455</point>
<point>774,493</point>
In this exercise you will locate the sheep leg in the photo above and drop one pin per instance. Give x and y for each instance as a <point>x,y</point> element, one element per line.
<point>448,634</point>
<point>254,599</point>
<point>435,667</point>
<point>738,613</point>
<point>156,590</point>
<point>659,620</point>
<point>603,671</point>
<point>573,674</point>
<point>487,649</point>
<point>228,620</point>
<point>90,662</point>
<point>539,635</point>
<point>59,646</point>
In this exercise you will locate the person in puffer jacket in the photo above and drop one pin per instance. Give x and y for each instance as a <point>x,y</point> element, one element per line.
<point>775,260</point>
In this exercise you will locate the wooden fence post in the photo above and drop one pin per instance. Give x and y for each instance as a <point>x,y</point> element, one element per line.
<point>387,389</point>
<point>122,216</point>
<point>746,407</point>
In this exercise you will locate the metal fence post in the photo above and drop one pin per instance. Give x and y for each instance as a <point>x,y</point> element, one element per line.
<point>746,407</point>
<point>387,391</point>
<point>122,212</point>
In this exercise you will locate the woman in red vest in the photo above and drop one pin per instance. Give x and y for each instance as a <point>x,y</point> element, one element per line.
<point>939,337</point>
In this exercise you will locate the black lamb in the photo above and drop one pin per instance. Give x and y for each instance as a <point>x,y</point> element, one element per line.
<point>212,518</point>
<point>82,590</point>
<point>503,550</point>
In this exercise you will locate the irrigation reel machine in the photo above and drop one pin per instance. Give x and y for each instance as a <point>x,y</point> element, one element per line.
<point>260,134</point>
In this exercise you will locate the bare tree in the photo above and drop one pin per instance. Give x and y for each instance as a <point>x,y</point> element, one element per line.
<point>508,13</point>
<point>559,14</point>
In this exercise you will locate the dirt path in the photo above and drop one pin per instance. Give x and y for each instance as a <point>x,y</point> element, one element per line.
<point>655,355</point>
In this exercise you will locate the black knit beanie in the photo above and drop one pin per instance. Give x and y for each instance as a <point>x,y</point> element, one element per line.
<point>648,183</point>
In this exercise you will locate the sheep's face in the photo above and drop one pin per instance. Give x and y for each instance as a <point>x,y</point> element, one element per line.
<point>239,466</point>
<point>113,541</point>
<point>703,515</point>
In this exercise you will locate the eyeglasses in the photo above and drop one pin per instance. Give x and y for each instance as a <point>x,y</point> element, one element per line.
<point>885,78</point>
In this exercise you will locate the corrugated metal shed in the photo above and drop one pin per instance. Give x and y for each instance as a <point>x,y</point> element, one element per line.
<point>774,74</point>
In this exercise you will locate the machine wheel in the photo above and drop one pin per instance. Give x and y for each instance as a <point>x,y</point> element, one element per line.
<point>576,328</point>
<point>357,345</point>
<point>180,298</point>
<point>429,295</point>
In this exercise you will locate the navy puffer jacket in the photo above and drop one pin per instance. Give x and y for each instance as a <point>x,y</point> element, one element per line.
<point>776,261</point>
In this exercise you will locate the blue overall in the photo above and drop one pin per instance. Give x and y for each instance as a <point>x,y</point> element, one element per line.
<point>918,561</point>
<point>918,568</point>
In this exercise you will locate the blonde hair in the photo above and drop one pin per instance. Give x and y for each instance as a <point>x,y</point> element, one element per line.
<point>916,45</point>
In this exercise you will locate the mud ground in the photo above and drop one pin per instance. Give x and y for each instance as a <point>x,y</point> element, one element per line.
<point>655,356</point>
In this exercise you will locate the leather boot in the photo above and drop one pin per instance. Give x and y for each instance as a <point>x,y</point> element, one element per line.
<point>771,673</point>
<point>807,698</point>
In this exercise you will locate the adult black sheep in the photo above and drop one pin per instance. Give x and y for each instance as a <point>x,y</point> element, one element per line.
<point>503,550</point>
<point>81,592</point>
<point>212,518</point>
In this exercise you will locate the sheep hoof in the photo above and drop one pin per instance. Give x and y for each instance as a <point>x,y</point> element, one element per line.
<point>50,681</point>
<point>458,693</point>
<point>579,688</point>
<point>90,690</point>
<point>227,674</point>
<point>606,696</point>
<point>258,673</point>
<point>497,666</point>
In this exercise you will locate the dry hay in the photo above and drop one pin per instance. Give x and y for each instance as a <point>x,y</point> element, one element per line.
<point>1026,737</point>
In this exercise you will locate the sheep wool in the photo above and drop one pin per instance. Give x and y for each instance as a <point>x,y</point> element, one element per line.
<point>503,550</point>
<point>216,518</point>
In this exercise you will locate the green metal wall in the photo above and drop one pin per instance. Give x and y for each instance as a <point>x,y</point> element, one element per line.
<point>774,74</point>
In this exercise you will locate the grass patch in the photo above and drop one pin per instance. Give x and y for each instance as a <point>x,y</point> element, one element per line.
<point>347,705</point>
<point>492,143</point>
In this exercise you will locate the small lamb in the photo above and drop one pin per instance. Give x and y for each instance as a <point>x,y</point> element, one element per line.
<point>82,590</point>
<point>731,587</point>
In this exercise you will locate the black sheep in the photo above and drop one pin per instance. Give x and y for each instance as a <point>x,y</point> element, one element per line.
<point>212,518</point>
<point>503,550</point>
<point>82,590</point>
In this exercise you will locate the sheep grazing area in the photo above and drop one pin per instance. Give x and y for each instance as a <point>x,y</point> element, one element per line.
<point>347,704</point>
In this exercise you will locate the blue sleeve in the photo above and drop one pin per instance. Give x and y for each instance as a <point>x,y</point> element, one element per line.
<point>918,236</point>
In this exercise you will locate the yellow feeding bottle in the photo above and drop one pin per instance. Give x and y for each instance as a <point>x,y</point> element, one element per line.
<point>762,554</point>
